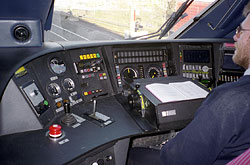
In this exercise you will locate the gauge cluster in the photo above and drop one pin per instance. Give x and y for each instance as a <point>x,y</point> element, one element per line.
<point>140,63</point>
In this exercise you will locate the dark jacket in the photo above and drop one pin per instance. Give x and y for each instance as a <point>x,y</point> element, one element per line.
<point>219,132</point>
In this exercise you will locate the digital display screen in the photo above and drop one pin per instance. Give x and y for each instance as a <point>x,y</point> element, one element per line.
<point>230,65</point>
<point>196,56</point>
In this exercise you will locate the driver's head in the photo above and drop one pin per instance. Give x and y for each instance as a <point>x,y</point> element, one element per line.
<point>242,41</point>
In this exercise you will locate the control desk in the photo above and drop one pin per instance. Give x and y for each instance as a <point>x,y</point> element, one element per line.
<point>68,103</point>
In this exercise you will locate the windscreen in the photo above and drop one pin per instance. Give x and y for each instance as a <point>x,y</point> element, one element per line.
<point>76,20</point>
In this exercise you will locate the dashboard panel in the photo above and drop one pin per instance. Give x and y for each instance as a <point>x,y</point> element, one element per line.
<point>139,63</point>
<point>196,62</point>
<point>82,79</point>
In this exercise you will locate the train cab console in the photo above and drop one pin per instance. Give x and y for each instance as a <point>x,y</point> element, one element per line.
<point>79,103</point>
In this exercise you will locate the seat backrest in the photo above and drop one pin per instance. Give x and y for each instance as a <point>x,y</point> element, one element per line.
<point>243,158</point>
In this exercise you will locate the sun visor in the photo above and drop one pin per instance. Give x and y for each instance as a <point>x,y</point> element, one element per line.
<point>22,22</point>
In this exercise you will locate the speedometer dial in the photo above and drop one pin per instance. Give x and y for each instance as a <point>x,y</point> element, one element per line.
<point>57,65</point>
<point>128,74</point>
<point>154,71</point>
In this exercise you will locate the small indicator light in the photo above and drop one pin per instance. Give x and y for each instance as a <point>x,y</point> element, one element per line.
<point>45,102</point>
<point>58,104</point>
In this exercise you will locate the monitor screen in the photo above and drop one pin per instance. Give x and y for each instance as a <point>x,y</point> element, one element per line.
<point>196,56</point>
<point>228,63</point>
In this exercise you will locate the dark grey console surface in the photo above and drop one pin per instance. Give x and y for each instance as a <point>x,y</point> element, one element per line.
<point>80,73</point>
<point>35,147</point>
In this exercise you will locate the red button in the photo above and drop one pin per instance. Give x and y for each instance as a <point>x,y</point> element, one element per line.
<point>89,92</point>
<point>55,131</point>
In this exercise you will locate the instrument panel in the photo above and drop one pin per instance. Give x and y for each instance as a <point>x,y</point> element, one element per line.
<point>196,62</point>
<point>140,63</point>
<point>78,76</point>
<point>85,78</point>
<point>82,75</point>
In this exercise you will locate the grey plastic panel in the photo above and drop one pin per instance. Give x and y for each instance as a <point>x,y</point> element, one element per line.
<point>7,38</point>
<point>121,150</point>
<point>15,113</point>
<point>34,97</point>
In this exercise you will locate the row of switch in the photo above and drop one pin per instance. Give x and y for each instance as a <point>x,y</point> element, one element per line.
<point>94,69</point>
<point>195,75</point>
<point>92,92</point>
<point>228,78</point>
<point>74,98</point>
<point>102,76</point>
<point>88,76</point>
<point>195,68</point>
<point>140,59</point>
<point>140,53</point>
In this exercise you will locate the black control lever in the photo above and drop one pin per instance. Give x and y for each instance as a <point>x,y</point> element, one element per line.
<point>93,114</point>
<point>66,106</point>
<point>97,117</point>
<point>68,118</point>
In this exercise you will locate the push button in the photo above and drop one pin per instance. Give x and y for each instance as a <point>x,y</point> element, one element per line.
<point>55,131</point>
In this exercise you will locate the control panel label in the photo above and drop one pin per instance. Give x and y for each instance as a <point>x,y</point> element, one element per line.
<point>168,113</point>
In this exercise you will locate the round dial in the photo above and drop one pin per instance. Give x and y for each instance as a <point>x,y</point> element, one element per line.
<point>57,65</point>
<point>154,72</point>
<point>54,89</point>
<point>128,74</point>
<point>68,84</point>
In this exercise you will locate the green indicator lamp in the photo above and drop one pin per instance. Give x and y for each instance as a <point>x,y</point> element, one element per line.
<point>45,102</point>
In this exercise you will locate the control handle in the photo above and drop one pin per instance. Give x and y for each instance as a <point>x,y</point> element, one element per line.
<point>94,107</point>
<point>66,106</point>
